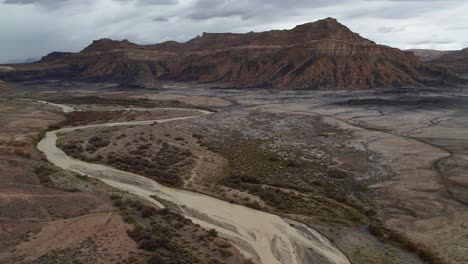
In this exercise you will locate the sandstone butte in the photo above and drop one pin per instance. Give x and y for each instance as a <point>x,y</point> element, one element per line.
<point>320,55</point>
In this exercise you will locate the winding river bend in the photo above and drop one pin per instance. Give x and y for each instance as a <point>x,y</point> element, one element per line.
<point>264,237</point>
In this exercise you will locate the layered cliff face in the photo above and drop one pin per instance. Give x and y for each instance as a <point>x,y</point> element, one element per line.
<point>323,54</point>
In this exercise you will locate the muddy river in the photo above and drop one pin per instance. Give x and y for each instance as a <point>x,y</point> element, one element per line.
<point>264,237</point>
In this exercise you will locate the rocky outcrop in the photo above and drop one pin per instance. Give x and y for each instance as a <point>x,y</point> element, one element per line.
<point>322,54</point>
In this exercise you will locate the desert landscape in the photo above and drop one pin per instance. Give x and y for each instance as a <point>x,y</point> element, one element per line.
<point>307,144</point>
<point>378,174</point>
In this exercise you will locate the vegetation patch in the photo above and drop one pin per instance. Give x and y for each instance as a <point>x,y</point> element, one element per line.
<point>287,185</point>
<point>107,101</point>
<point>386,235</point>
<point>164,166</point>
<point>88,117</point>
<point>172,238</point>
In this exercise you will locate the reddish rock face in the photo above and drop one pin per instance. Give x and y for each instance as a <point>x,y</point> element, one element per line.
<point>323,54</point>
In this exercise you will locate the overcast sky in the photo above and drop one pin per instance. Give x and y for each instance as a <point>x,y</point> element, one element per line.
<point>33,28</point>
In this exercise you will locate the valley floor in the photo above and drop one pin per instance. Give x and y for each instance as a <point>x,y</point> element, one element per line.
<point>381,173</point>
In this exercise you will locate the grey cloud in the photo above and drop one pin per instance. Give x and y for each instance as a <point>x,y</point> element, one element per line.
<point>387,29</point>
<point>431,41</point>
<point>69,3</point>
<point>70,25</point>
<point>458,28</point>
<point>25,2</point>
<point>151,2</point>
<point>161,19</point>
<point>209,9</point>
<point>43,3</point>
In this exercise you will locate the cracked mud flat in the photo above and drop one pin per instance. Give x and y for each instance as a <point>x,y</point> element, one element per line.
<point>420,182</point>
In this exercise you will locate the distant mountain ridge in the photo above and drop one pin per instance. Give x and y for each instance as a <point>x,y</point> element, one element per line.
<point>428,54</point>
<point>456,60</point>
<point>320,55</point>
<point>56,55</point>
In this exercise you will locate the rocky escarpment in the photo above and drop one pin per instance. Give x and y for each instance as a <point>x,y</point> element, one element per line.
<point>322,54</point>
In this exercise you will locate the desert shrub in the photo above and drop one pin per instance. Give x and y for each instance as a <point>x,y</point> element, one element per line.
<point>82,177</point>
<point>95,139</point>
<point>70,146</point>
<point>376,229</point>
<point>197,136</point>
<point>254,205</point>
<point>73,190</point>
<point>22,153</point>
<point>137,205</point>
<point>98,142</point>
<point>239,179</point>
<point>90,148</point>
<point>43,172</point>
<point>274,159</point>
<point>144,147</point>
<point>225,245</point>
<point>164,211</point>
<point>119,203</point>
<point>212,233</point>
<point>147,212</point>
<point>225,253</point>
<point>156,259</point>
<point>337,174</point>
<point>115,197</point>
<point>292,163</point>
<point>148,244</point>
<point>121,136</point>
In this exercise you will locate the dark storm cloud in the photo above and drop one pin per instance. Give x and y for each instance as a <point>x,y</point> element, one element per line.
<point>41,26</point>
